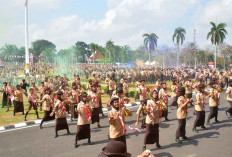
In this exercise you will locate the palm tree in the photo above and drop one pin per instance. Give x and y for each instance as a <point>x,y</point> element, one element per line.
<point>150,42</point>
<point>109,46</point>
<point>179,36</point>
<point>217,34</point>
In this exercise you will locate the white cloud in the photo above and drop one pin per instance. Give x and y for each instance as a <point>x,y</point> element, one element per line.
<point>125,22</point>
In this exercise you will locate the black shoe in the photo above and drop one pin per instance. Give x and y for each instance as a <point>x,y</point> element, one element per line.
<point>186,138</point>
<point>216,121</point>
<point>89,141</point>
<point>25,119</point>
<point>75,145</point>
<point>144,148</point>
<point>209,124</point>
<point>38,117</point>
<point>203,127</point>
<point>166,119</point>
<point>56,135</point>
<point>13,114</point>
<point>178,141</point>
<point>99,126</point>
<point>40,126</point>
<point>68,133</point>
<point>195,130</point>
<point>158,145</point>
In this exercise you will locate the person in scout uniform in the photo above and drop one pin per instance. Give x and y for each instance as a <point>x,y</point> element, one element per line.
<point>189,89</point>
<point>143,91</point>
<point>174,89</point>
<point>229,98</point>
<point>32,97</point>
<point>47,106</point>
<point>213,103</point>
<point>126,88</point>
<point>163,96</point>
<point>84,120</point>
<point>142,110</point>
<point>74,101</point>
<point>10,91</point>
<point>95,104</point>
<point>117,120</point>
<point>154,113</point>
<point>18,100</point>
<point>4,90</point>
<point>111,86</point>
<point>60,112</point>
<point>182,111</point>
<point>201,97</point>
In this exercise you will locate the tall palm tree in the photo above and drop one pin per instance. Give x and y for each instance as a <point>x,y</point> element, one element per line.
<point>150,42</point>
<point>217,34</point>
<point>109,46</point>
<point>179,36</point>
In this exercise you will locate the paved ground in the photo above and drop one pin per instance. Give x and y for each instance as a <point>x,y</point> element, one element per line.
<point>33,142</point>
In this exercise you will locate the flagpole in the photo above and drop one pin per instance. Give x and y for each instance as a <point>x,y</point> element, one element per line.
<point>27,65</point>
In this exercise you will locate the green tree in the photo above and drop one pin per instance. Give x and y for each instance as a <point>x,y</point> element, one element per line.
<point>9,50</point>
<point>82,51</point>
<point>217,35</point>
<point>150,42</point>
<point>178,37</point>
<point>109,48</point>
<point>44,46</point>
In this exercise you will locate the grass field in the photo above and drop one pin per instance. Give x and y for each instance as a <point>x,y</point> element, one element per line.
<point>7,118</point>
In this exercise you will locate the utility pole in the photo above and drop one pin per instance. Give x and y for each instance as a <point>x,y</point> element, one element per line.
<point>27,65</point>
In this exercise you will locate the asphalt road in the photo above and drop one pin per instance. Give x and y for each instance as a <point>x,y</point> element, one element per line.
<point>33,142</point>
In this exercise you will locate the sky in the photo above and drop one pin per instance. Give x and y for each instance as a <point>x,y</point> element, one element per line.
<point>64,22</point>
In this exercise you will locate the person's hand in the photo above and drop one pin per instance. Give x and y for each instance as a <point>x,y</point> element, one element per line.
<point>146,153</point>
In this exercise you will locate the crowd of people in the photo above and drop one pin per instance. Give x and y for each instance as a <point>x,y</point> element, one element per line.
<point>60,94</point>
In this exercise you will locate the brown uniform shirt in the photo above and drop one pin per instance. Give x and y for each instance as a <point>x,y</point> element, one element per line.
<point>111,85</point>
<point>142,92</point>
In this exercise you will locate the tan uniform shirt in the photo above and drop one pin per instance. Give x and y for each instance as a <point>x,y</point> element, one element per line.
<point>229,93</point>
<point>116,127</point>
<point>182,109</point>
<point>188,87</point>
<point>111,85</point>
<point>74,95</point>
<point>174,90</point>
<point>200,102</point>
<point>142,92</point>
<point>60,110</point>
<point>82,119</point>
<point>94,100</point>
<point>125,87</point>
<point>18,95</point>
<point>163,94</point>
<point>156,109</point>
<point>46,102</point>
<point>213,100</point>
